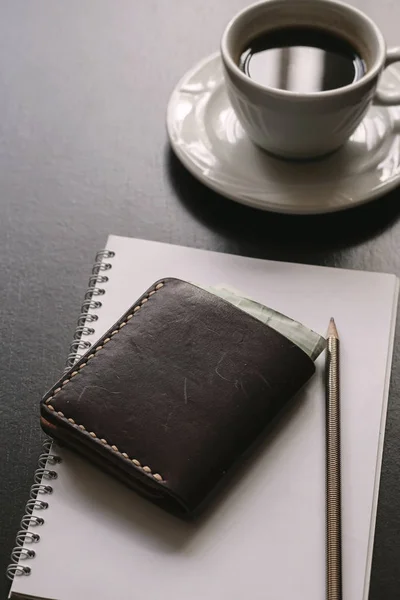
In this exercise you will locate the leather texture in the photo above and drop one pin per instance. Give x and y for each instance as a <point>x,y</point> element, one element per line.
<point>175,393</point>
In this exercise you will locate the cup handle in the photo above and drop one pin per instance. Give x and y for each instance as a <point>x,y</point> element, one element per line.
<point>388,98</point>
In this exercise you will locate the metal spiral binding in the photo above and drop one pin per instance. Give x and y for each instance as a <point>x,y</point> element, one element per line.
<point>44,474</point>
<point>90,302</point>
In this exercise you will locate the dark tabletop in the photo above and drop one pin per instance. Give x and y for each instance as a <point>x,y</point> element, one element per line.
<point>84,152</point>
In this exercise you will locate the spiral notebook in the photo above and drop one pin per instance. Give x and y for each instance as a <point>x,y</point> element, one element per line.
<point>265,537</point>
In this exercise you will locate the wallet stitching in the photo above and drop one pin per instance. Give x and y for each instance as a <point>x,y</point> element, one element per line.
<point>114,448</point>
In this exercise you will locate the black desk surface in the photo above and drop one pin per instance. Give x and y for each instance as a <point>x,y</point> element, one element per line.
<point>83,152</point>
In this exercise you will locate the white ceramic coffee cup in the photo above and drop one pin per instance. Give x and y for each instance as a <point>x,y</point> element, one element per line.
<point>296,125</point>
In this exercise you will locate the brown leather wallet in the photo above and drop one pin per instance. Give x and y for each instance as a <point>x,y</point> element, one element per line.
<point>175,393</point>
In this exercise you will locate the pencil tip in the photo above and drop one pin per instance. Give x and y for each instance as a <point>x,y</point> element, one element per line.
<point>332,331</point>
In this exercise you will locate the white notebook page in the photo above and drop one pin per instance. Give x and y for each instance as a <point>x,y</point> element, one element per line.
<point>265,537</point>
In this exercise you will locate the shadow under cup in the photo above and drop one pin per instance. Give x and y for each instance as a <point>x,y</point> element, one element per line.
<point>301,125</point>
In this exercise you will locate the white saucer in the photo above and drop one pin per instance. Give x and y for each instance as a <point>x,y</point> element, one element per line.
<point>210,142</point>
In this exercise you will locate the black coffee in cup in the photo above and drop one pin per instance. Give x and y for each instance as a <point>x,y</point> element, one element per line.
<point>302,59</point>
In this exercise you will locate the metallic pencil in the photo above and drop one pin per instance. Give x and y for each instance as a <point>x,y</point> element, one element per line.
<point>333,493</point>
